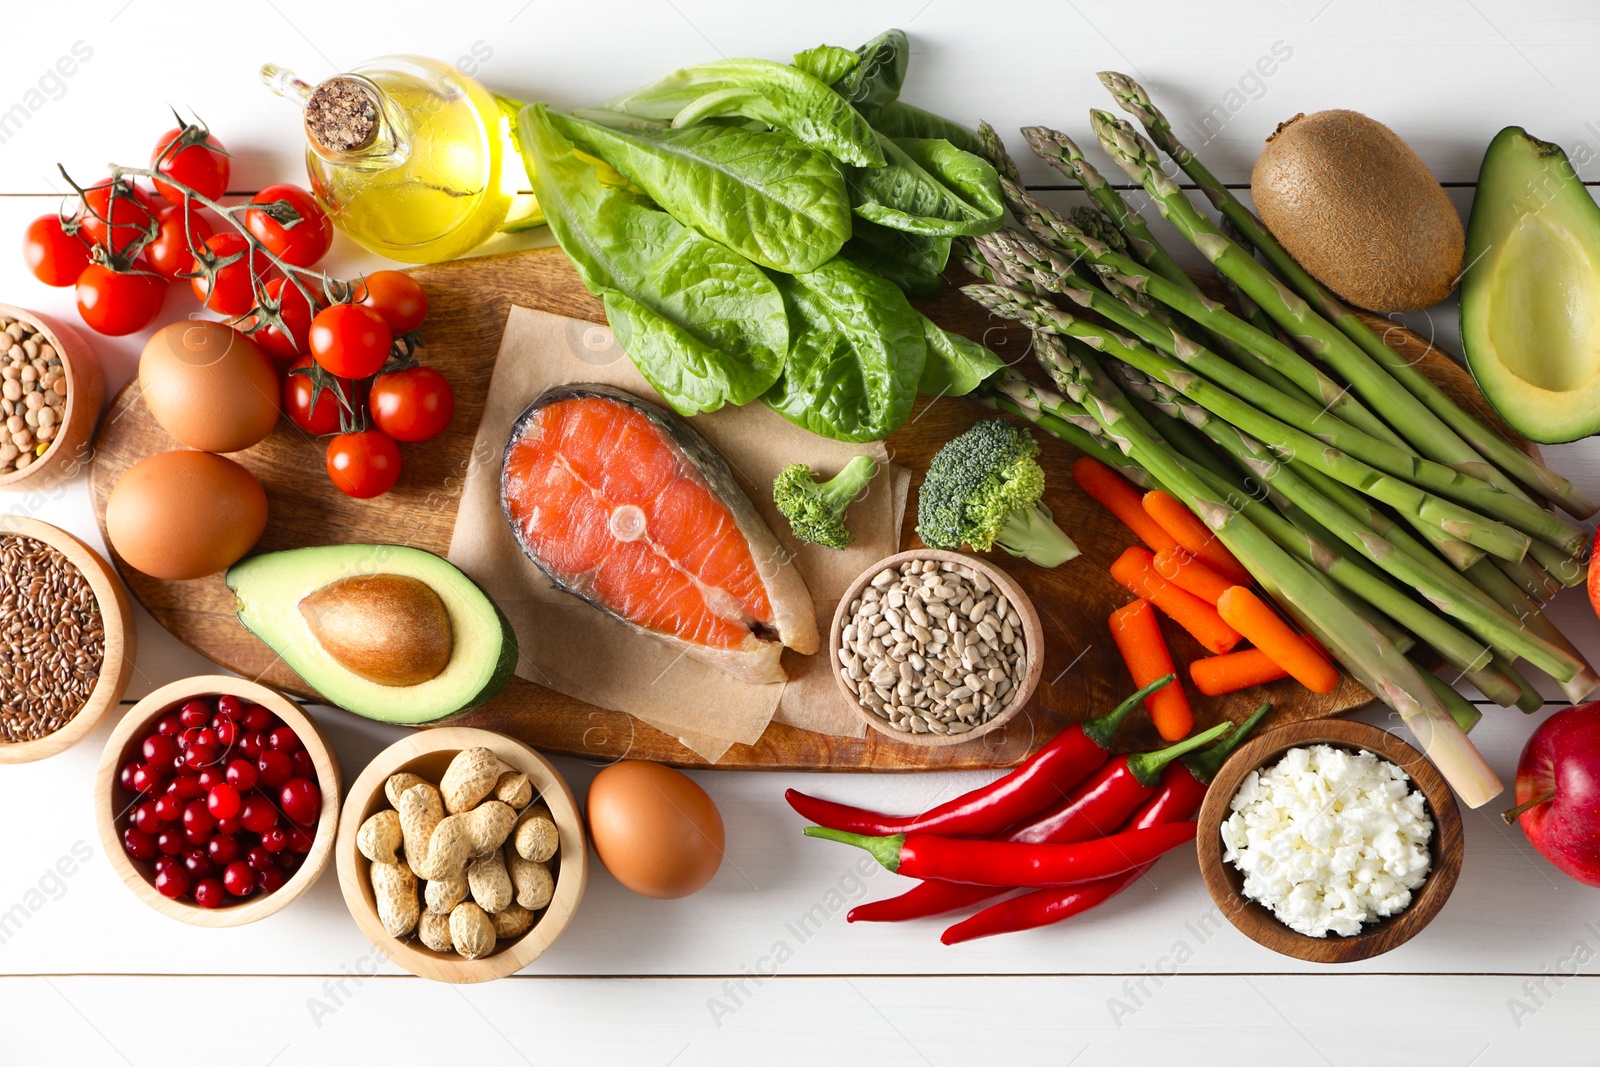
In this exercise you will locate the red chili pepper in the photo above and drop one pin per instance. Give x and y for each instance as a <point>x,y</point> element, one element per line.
<point>1007,864</point>
<point>1042,778</point>
<point>1095,808</point>
<point>1183,786</point>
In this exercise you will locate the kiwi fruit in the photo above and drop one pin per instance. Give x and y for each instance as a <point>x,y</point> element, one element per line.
<point>1359,211</point>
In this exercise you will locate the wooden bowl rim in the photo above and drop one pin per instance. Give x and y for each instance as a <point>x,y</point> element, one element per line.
<point>1032,632</point>
<point>116,614</point>
<point>53,332</point>
<point>108,800</point>
<point>366,796</point>
<point>1253,920</point>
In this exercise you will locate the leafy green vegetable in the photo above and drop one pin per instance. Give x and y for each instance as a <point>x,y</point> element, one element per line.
<point>774,93</point>
<point>913,262</point>
<point>930,187</point>
<point>956,365</point>
<point>763,194</point>
<point>858,352</point>
<point>827,62</point>
<point>899,119</point>
<point>875,81</point>
<point>704,325</point>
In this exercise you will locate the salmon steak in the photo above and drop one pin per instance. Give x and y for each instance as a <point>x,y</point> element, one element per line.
<point>627,506</point>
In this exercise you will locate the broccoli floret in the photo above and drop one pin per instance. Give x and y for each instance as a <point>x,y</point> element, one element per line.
<point>983,489</point>
<point>815,510</point>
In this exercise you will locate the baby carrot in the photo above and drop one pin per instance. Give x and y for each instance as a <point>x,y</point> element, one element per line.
<point>1216,675</point>
<point>1136,569</point>
<point>1185,527</point>
<point>1137,632</point>
<point>1186,572</point>
<point>1247,613</point>
<point>1120,497</point>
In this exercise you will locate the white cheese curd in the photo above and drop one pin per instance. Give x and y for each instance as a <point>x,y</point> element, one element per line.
<point>1328,840</point>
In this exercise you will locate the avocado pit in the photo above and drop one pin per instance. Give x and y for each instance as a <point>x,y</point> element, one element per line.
<point>390,629</point>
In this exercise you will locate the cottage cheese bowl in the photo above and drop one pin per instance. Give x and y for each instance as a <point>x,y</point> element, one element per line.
<point>1329,840</point>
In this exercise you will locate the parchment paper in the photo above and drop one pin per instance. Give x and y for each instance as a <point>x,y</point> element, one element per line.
<point>575,649</point>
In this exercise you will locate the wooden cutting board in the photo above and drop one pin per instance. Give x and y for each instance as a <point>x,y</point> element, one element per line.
<point>467,305</point>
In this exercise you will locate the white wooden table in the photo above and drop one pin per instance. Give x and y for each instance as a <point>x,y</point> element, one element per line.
<point>730,975</point>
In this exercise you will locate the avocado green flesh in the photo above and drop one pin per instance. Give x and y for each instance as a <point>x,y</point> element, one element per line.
<point>1530,302</point>
<point>270,587</point>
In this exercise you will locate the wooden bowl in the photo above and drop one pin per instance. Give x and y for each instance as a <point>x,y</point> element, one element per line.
<point>1033,637</point>
<point>1225,883</point>
<point>116,613</point>
<point>427,753</point>
<point>70,451</point>
<point>111,800</point>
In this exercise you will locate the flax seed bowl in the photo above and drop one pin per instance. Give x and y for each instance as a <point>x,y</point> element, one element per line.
<point>935,648</point>
<point>66,639</point>
<point>50,394</point>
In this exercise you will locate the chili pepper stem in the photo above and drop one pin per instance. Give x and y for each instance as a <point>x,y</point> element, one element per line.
<point>1205,765</point>
<point>1101,730</point>
<point>886,850</point>
<point>1147,766</point>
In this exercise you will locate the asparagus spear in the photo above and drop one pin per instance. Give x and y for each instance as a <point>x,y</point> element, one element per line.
<point>1488,441</point>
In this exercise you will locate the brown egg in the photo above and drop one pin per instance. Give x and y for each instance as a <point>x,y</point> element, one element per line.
<point>179,515</point>
<point>209,386</point>
<point>655,830</point>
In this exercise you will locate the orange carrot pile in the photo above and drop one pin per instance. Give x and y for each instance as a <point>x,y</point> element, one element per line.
<point>1184,527</point>
<point>1248,614</point>
<point>1218,675</point>
<point>1186,572</point>
<point>1122,498</point>
<point>1136,569</point>
<point>1137,632</point>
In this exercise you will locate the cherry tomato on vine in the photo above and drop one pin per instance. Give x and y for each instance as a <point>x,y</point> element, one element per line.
<point>55,256</point>
<point>365,464</point>
<point>192,156</point>
<point>234,291</point>
<point>296,314</point>
<point>350,340</point>
<point>414,404</point>
<point>116,221</point>
<point>115,303</point>
<point>301,244</point>
<point>395,296</point>
<point>169,254</point>
<point>323,419</point>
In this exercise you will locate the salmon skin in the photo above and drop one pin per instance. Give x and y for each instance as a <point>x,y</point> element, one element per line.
<point>627,506</point>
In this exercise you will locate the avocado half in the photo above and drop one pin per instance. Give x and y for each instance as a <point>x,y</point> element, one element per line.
<point>270,587</point>
<point>1530,301</point>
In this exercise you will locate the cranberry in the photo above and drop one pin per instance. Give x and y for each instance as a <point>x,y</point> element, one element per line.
<point>228,826</point>
<point>198,864</point>
<point>186,787</point>
<point>223,849</point>
<point>138,844</point>
<point>147,778</point>
<point>301,800</point>
<point>258,858</point>
<point>271,880</point>
<point>197,756</point>
<point>125,776</point>
<point>197,818</point>
<point>170,841</point>
<point>169,725</point>
<point>289,860</point>
<point>303,766</point>
<point>168,807</point>
<point>159,749</point>
<point>195,713</point>
<point>275,840</point>
<point>239,879</point>
<point>208,893</point>
<point>146,817</point>
<point>223,801</point>
<point>257,717</point>
<point>252,744</point>
<point>196,838</point>
<point>301,839</point>
<point>172,883</point>
<point>177,764</point>
<point>167,863</point>
<point>283,739</point>
<point>229,706</point>
<point>275,768</point>
<point>241,774</point>
<point>258,815</point>
<point>210,777</point>
<point>227,733</point>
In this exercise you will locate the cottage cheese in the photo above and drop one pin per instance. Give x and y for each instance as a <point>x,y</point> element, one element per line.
<point>1328,840</point>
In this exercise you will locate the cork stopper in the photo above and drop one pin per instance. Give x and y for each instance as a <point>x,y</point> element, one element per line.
<point>341,115</point>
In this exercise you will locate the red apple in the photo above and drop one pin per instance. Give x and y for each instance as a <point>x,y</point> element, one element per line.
<point>1558,791</point>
